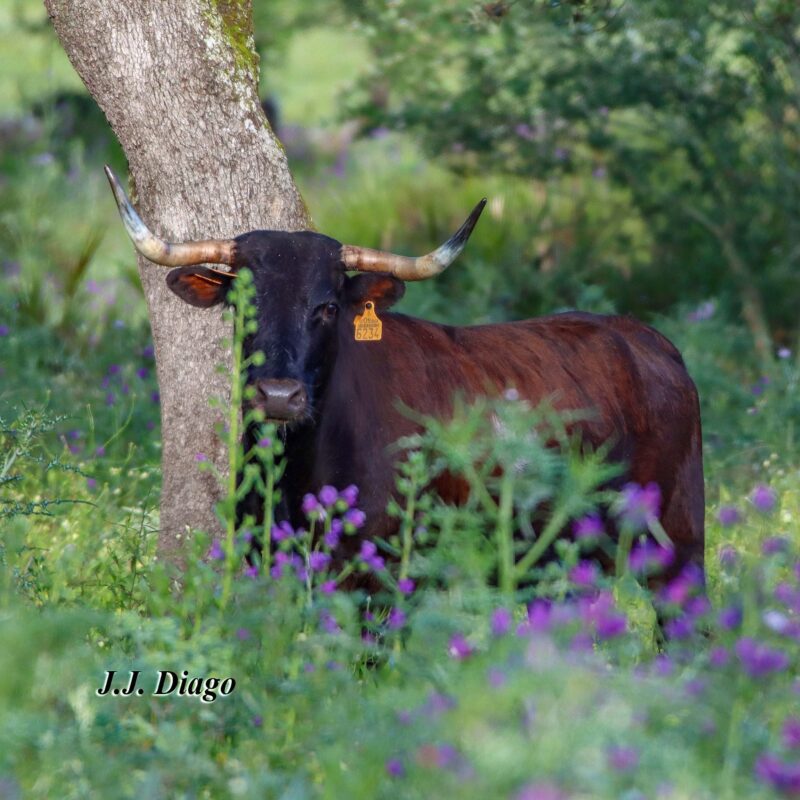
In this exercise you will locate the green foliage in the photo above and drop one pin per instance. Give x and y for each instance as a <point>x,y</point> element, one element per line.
<point>689,110</point>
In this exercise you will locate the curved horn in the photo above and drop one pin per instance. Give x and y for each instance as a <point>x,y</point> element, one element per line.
<point>364,259</point>
<point>170,254</point>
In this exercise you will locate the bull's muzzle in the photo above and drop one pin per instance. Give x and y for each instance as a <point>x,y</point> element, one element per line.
<point>282,399</point>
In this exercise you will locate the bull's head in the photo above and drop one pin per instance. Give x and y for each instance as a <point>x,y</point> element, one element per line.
<point>305,299</point>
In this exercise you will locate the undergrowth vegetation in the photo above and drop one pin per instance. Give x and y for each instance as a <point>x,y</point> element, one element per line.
<point>475,654</point>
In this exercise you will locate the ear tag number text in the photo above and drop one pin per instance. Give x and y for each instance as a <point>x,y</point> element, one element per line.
<point>368,328</point>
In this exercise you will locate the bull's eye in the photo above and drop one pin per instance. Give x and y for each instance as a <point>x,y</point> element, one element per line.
<point>329,311</point>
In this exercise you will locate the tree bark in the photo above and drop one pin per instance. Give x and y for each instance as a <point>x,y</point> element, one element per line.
<point>178,82</point>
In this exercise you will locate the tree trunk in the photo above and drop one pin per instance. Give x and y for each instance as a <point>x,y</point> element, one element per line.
<point>178,82</point>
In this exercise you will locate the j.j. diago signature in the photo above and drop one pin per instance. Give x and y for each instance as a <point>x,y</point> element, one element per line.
<point>169,683</point>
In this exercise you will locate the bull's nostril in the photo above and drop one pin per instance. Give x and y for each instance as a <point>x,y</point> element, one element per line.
<point>297,400</point>
<point>282,398</point>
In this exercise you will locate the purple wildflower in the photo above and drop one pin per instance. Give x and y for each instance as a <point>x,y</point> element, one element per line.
<point>647,556</point>
<point>681,588</point>
<point>730,618</point>
<point>142,372</point>
<point>540,791</point>
<point>251,571</point>
<point>111,398</point>
<point>265,442</point>
<point>4,330</point>
<point>601,614</point>
<point>439,703</point>
<point>663,666</point>
<point>396,618</point>
<point>310,506</point>
<point>328,587</point>
<point>584,573</point>
<point>581,642</point>
<point>524,131</point>
<point>258,721</point>
<point>728,515</point>
<point>283,560</point>
<point>695,687</point>
<point>200,457</point>
<point>679,628</point>
<point>328,496</point>
<point>758,659</point>
<point>395,768</point>
<point>703,312</point>
<point>774,545</point>
<point>790,732</point>
<point>782,776</point>
<point>540,617</point>
<point>588,528</point>
<point>368,550</point>
<point>622,759</point>
<point>779,622</point>
<point>155,398</point>
<point>331,537</point>
<point>349,495</point>
<point>458,647</point>
<point>763,498</point>
<point>501,621</point>
<point>281,532</point>
<point>100,451</point>
<point>405,586</point>
<point>215,552</point>
<point>718,657</point>
<point>318,561</point>
<point>790,597</point>
<point>355,517</point>
<point>784,353</point>
<point>91,483</point>
<point>148,352</point>
<point>496,677</point>
<point>329,624</point>
<point>639,506</point>
<point>369,556</point>
<point>697,607</point>
<point>242,634</point>
<point>114,369</point>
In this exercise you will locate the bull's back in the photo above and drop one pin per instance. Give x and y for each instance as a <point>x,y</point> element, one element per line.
<point>630,379</point>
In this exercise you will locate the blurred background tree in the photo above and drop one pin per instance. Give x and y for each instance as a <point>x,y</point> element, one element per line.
<point>686,109</point>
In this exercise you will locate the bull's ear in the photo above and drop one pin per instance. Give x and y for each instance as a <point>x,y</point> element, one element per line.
<point>200,286</point>
<point>383,290</point>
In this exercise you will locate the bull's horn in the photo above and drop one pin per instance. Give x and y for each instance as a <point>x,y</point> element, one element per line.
<point>364,259</point>
<point>170,254</point>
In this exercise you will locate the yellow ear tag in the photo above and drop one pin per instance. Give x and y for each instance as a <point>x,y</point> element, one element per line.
<point>368,327</point>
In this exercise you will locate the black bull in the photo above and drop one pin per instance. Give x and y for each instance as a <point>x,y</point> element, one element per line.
<point>340,397</point>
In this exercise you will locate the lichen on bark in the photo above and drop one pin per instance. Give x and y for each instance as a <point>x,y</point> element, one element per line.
<point>237,28</point>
